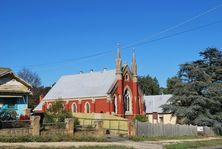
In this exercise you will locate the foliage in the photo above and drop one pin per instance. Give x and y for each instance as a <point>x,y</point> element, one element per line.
<point>56,113</point>
<point>7,115</point>
<point>149,85</point>
<point>171,84</point>
<point>37,92</point>
<point>29,76</point>
<point>141,118</point>
<point>76,122</point>
<point>197,96</point>
<point>24,117</point>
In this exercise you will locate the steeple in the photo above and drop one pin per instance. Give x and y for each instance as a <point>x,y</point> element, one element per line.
<point>134,66</point>
<point>118,65</point>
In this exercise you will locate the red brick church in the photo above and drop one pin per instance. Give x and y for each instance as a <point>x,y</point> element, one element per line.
<point>114,92</point>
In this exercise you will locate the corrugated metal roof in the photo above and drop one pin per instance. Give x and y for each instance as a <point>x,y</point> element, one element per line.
<point>153,103</point>
<point>3,71</point>
<point>39,107</point>
<point>91,84</point>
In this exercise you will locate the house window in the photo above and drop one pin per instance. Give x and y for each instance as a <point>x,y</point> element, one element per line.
<point>127,101</point>
<point>74,107</point>
<point>87,108</point>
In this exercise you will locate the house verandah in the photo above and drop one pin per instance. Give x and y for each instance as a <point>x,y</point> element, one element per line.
<point>114,92</point>
<point>14,92</point>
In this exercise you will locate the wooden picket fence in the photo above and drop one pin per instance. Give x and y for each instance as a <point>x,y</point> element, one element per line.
<point>158,130</point>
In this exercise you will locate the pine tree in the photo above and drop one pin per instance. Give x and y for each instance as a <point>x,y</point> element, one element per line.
<point>197,97</point>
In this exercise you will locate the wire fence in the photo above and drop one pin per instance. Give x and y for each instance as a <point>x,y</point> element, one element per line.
<point>114,125</point>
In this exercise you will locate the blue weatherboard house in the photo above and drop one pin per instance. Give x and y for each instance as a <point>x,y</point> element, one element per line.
<point>14,92</point>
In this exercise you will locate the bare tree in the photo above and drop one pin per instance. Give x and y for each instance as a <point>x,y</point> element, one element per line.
<point>30,76</point>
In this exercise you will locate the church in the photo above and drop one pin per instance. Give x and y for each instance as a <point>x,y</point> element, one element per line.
<point>115,92</point>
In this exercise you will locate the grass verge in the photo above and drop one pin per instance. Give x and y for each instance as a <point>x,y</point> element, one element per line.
<point>165,138</point>
<point>54,138</point>
<point>196,144</point>
<point>83,147</point>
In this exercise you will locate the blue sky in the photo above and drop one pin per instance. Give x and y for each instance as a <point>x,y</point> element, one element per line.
<point>51,36</point>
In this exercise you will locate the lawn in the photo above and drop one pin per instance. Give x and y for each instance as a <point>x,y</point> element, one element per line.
<point>196,144</point>
<point>83,147</point>
<point>165,138</point>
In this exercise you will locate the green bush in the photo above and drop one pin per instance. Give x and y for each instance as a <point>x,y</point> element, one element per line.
<point>6,115</point>
<point>141,118</point>
<point>56,113</point>
<point>76,122</point>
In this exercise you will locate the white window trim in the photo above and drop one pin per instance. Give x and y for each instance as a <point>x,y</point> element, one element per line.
<point>115,104</point>
<point>49,105</point>
<point>85,109</point>
<point>130,100</point>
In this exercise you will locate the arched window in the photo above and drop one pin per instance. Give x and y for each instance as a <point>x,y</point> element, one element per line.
<point>127,101</point>
<point>49,105</point>
<point>74,107</point>
<point>87,108</point>
<point>115,104</point>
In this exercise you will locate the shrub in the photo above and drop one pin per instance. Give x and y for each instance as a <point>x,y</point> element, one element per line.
<point>24,118</point>
<point>56,113</point>
<point>76,122</point>
<point>6,115</point>
<point>141,118</point>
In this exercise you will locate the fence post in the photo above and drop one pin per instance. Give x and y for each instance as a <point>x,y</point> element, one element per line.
<point>131,129</point>
<point>28,112</point>
<point>35,123</point>
<point>69,126</point>
<point>99,128</point>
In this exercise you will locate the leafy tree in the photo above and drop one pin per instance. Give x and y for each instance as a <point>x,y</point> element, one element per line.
<point>197,96</point>
<point>34,100</point>
<point>31,77</point>
<point>171,84</point>
<point>56,113</point>
<point>149,85</point>
<point>163,90</point>
<point>37,90</point>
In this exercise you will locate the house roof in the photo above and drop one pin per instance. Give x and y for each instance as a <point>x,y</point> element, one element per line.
<point>4,71</point>
<point>92,84</point>
<point>153,103</point>
<point>13,86</point>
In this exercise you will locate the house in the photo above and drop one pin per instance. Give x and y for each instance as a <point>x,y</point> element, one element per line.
<point>115,92</point>
<point>14,92</point>
<point>155,113</point>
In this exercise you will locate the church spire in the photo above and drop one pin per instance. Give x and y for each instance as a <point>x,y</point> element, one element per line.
<point>118,65</point>
<point>134,66</point>
<point>118,53</point>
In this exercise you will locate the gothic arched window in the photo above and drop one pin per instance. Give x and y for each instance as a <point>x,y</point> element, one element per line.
<point>127,101</point>
<point>74,107</point>
<point>87,108</point>
<point>115,104</point>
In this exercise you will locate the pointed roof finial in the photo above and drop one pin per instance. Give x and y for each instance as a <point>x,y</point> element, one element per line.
<point>118,51</point>
<point>134,56</point>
